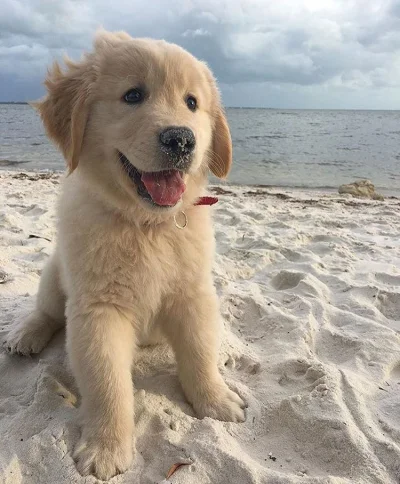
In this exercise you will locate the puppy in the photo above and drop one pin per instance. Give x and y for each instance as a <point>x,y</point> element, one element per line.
<point>140,124</point>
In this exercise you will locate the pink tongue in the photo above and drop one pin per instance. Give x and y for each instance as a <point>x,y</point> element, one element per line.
<point>164,187</point>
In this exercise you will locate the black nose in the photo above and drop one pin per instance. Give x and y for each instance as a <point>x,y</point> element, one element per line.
<point>177,141</point>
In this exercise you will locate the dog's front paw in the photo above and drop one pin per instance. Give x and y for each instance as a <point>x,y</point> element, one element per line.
<point>103,457</point>
<point>221,403</point>
<point>29,336</point>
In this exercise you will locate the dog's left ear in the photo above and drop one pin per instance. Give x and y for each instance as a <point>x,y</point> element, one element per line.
<point>221,150</point>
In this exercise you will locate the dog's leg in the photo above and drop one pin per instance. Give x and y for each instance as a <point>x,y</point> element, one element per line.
<point>192,331</point>
<point>100,343</point>
<point>33,333</point>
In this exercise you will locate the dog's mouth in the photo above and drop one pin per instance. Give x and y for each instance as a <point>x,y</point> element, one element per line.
<point>161,188</point>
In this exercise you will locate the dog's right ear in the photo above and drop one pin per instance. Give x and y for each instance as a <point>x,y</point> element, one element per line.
<point>221,153</point>
<point>65,108</point>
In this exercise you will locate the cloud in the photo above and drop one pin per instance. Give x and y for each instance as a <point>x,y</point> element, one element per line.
<point>293,48</point>
<point>196,33</point>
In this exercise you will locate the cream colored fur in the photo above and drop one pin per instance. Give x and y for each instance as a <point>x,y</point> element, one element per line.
<point>122,272</point>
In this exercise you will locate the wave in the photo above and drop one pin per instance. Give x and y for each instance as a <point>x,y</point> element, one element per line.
<point>267,136</point>
<point>13,162</point>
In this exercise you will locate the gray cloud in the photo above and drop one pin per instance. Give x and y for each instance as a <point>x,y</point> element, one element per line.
<point>328,53</point>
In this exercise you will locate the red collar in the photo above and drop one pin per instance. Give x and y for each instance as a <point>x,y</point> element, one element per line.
<point>206,201</point>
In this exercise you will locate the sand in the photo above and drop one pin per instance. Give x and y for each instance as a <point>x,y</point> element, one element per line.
<point>310,293</point>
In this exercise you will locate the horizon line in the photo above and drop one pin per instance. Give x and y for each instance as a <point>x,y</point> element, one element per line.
<point>264,107</point>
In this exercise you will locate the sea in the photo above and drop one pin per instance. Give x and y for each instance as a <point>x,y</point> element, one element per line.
<point>313,149</point>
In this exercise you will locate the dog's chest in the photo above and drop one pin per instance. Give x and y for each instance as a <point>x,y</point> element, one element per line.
<point>151,263</point>
<point>118,263</point>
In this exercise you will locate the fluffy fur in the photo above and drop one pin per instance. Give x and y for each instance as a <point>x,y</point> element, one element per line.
<point>122,273</point>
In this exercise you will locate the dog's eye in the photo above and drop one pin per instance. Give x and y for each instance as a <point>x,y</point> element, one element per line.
<point>133,96</point>
<point>191,103</point>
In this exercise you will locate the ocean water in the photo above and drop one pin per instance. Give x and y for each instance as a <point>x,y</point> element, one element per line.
<point>288,148</point>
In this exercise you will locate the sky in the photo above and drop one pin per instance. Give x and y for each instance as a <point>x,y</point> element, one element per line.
<point>312,54</point>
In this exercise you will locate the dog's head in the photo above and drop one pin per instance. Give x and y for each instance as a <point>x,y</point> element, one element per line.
<point>142,116</point>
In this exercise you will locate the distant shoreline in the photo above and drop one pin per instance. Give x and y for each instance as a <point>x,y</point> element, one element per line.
<point>215,185</point>
<point>252,107</point>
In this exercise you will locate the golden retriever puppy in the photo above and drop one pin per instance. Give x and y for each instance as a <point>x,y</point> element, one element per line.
<point>140,123</point>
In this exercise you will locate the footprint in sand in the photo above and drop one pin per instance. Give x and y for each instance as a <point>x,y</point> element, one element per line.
<point>387,279</point>
<point>388,304</point>
<point>291,255</point>
<point>388,403</point>
<point>337,346</point>
<point>32,211</point>
<point>254,215</point>
<point>300,378</point>
<point>287,280</point>
<point>301,374</point>
<point>243,363</point>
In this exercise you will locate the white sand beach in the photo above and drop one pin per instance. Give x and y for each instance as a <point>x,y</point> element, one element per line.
<point>310,297</point>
